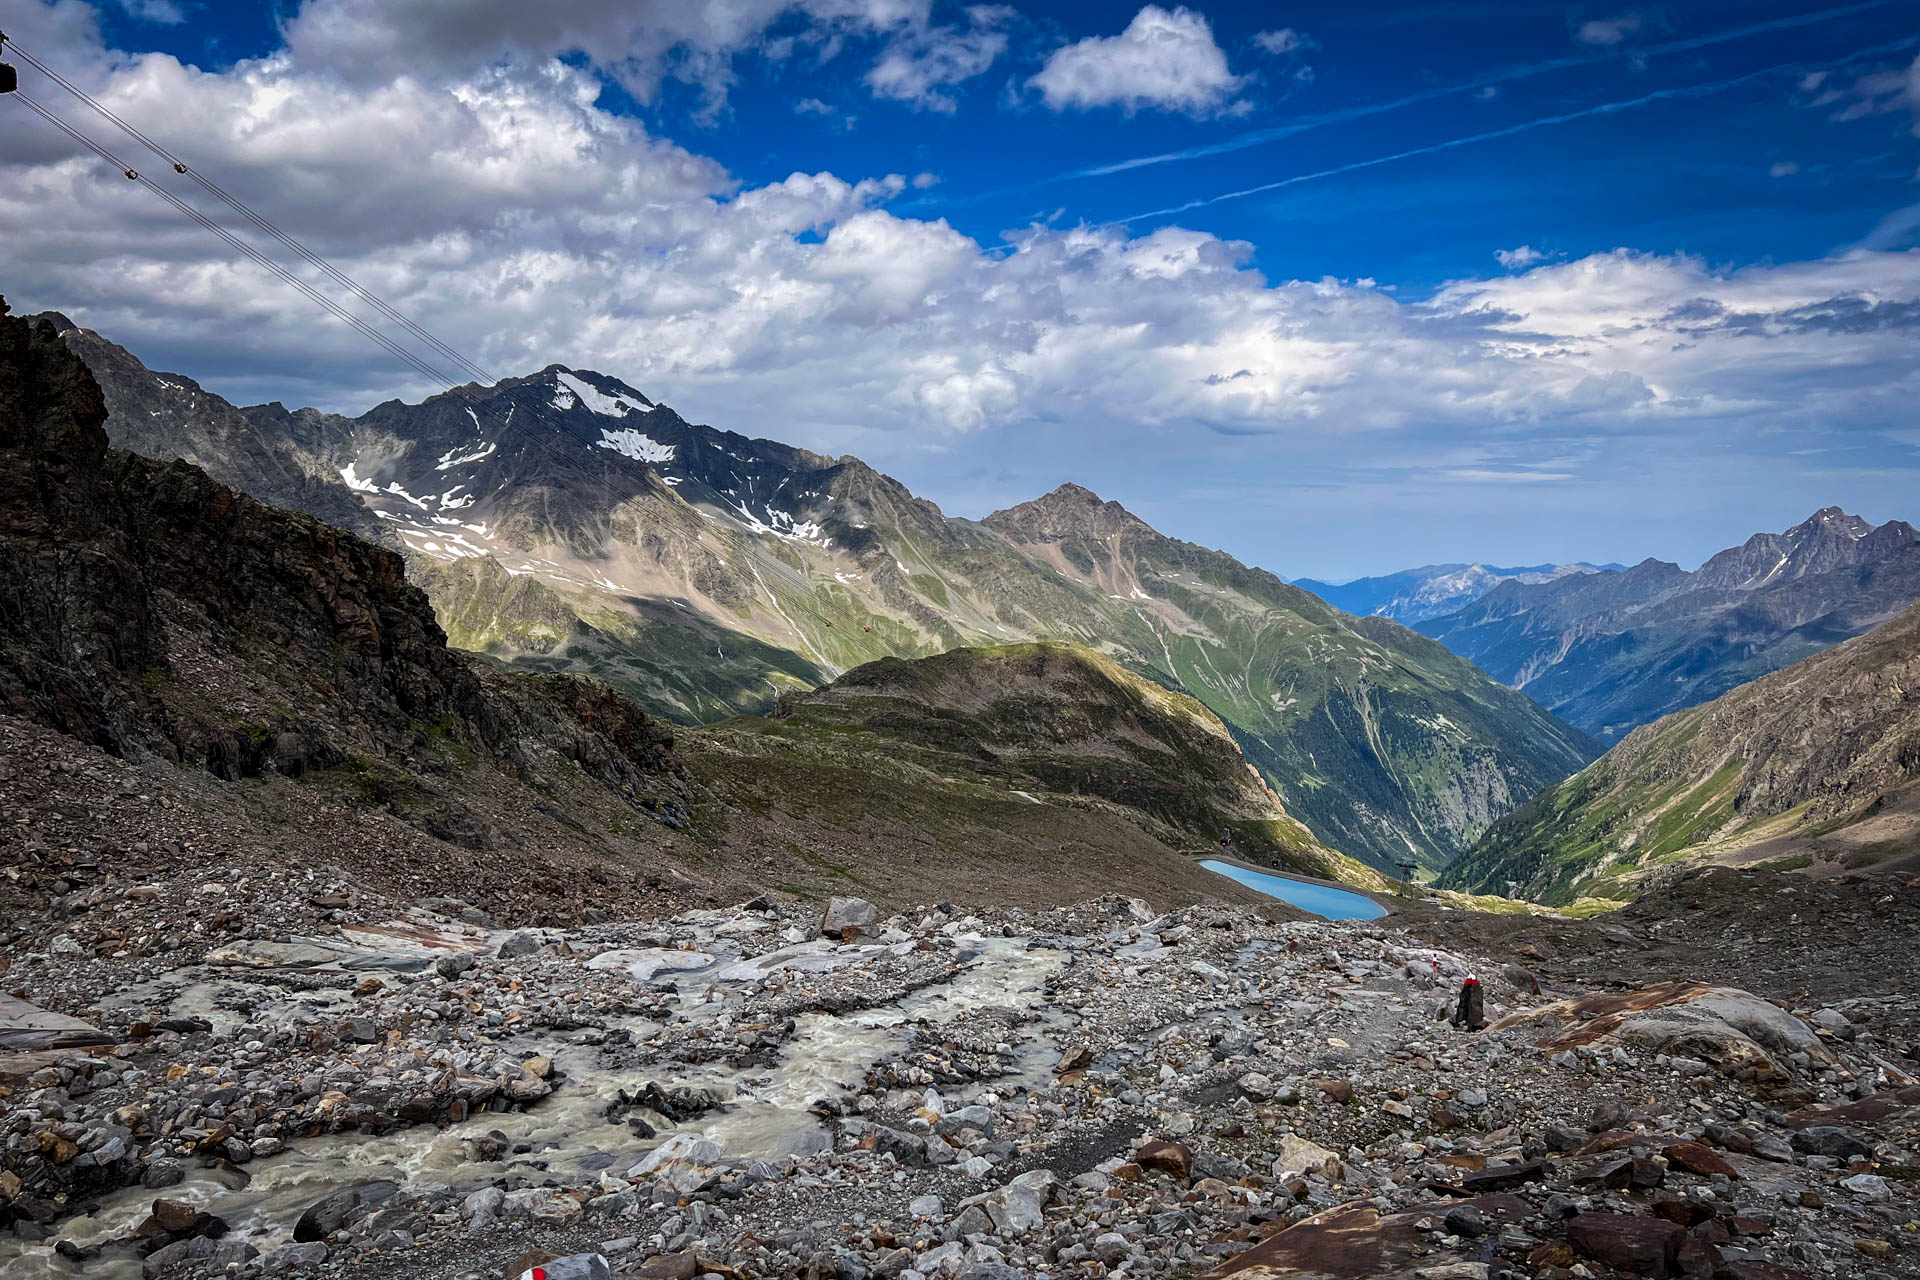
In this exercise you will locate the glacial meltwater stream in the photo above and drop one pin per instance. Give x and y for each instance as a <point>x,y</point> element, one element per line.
<point>766,1113</point>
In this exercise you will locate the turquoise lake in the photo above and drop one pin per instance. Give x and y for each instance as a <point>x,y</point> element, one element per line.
<point>1333,904</point>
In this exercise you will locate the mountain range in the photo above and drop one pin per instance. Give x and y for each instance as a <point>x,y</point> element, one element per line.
<point>1818,763</point>
<point>275,681</point>
<point>1431,591</point>
<point>565,522</point>
<point>1615,650</point>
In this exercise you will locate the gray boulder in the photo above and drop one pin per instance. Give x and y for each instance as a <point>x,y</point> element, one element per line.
<point>453,964</point>
<point>204,1249</point>
<point>296,1257</point>
<point>324,1217</point>
<point>848,917</point>
<point>578,1266</point>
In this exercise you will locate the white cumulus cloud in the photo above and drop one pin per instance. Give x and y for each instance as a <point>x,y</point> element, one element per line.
<point>1165,59</point>
<point>1608,31</point>
<point>922,66</point>
<point>1279,41</point>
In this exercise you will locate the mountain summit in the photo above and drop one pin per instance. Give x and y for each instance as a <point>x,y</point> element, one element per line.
<point>1070,511</point>
<point>1828,540</point>
<point>1612,651</point>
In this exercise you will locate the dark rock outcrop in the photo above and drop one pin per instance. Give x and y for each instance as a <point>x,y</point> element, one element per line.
<point>151,611</point>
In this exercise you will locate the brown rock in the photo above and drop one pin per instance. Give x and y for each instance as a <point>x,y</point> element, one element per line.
<point>1336,1090</point>
<point>1638,1246</point>
<point>1698,1258</point>
<point>1753,1269</point>
<point>1614,1173</point>
<point>1467,1160</point>
<point>1344,1243</point>
<point>1550,1253</point>
<point>1685,1212</point>
<point>1172,1158</point>
<point>1696,1157</point>
<point>671,1266</point>
<point>368,986</point>
<point>174,1215</point>
<point>1076,1058</point>
<point>56,1148</point>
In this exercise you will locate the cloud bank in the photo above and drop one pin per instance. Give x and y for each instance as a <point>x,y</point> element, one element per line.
<point>509,213</point>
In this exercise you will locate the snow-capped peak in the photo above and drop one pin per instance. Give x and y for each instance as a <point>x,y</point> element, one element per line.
<point>568,389</point>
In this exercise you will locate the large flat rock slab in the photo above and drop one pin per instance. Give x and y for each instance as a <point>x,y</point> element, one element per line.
<point>1730,1029</point>
<point>1356,1242</point>
<point>28,1026</point>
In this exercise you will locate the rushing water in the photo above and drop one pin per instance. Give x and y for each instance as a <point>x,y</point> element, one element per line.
<point>766,1115</point>
<point>1333,904</point>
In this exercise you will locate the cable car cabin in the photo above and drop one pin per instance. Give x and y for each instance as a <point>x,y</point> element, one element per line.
<point>9,78</point>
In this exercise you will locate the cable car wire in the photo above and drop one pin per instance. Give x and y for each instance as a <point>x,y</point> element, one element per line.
<point>233,241</point>
<point>411,359</point>
<point>569,460</point>
<point>262,223</point>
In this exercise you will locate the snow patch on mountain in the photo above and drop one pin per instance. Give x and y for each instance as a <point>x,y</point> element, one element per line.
<point>781,524</point>
<point>454,458</point>
<point>395,489</point>
<point>353,481</point>
<point>635,444</point>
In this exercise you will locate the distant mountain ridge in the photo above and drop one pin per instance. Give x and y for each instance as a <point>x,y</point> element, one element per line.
<point>564,521</point>
<point>1414,595</point>
<point>1817,762</point>
<point>276,691</point>
<point>1612,651</point>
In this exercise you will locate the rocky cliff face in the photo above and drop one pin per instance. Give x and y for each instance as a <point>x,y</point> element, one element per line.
<point>152,612</point>
<point>1612,651</point>
<point>168,415</point>
<point>1819,762</point>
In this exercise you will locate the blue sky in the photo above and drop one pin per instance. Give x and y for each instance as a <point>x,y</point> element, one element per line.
<point>1451,319</point>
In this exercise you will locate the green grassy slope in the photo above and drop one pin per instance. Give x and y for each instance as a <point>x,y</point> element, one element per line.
<point>1795,757</point>
<point>1005,756</point>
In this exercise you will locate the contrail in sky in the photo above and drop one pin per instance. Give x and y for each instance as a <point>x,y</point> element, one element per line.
<point>1525,126</point>
<point>1306,124</point>
<point>1259,137</point>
